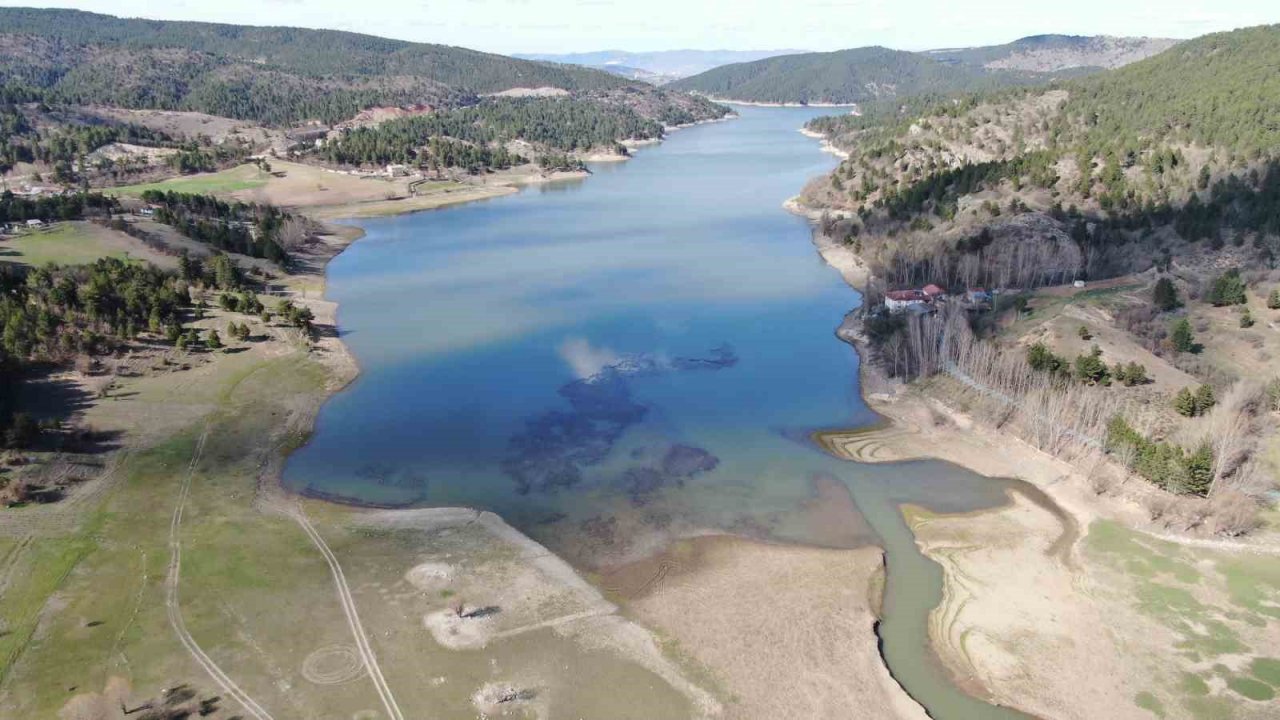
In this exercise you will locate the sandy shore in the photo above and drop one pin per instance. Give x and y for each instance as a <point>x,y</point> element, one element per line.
<point>608,156</point>
<point>827,147</point>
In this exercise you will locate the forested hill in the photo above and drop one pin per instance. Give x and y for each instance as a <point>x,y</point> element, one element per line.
<point>863,75</point>
<point>1177,154</point>
<point>846,76</point>
<point>307,53</point>
<point>273,75</point>
<point>1054,53</point>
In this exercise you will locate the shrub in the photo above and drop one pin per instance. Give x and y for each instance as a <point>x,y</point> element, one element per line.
<point>1090,368</point>
<point>1042,359</point>
<point>1132,374</point>
<point>1246,319</point>
<point>1234,513</point>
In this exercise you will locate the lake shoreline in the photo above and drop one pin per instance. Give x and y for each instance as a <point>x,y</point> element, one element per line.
<point>853,273</point>
<point>755,103</point>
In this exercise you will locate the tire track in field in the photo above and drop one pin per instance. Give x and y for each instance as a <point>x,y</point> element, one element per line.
<point>171,595</point>
<point>11,562</point>
<point>353,617</point>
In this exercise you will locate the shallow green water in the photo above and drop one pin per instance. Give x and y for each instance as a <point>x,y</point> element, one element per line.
<point>612,363</point>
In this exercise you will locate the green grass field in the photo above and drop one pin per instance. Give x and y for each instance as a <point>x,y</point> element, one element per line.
<point>241,177</point>
<point>67,243</point>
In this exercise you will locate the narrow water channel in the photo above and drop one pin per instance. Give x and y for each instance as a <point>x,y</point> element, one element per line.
<point>612,363</point>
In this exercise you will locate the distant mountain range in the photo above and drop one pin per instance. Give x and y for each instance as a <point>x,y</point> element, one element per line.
<point>867,74</point>
<point>661,66</point>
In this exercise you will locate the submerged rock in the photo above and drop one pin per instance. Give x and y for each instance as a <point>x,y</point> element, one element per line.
<point>684,461</point>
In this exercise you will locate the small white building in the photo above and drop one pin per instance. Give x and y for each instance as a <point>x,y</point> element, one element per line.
<point>397,170</point>
<point>35,223</point>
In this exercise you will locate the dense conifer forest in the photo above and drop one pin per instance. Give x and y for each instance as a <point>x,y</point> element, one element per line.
<point>248,229</point>
<point>561,124</point>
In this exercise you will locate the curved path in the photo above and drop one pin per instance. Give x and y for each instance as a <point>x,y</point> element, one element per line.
<point>171,595</point>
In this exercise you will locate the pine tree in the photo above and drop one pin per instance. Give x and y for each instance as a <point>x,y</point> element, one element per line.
<point>1199,467</point>
<point>1228,289</point>
<point>214,342</point>
<point>1273,300</point>
<point>1181,337</point>
<point>1205,400</point>
<point>1165,295</point>
<point>1185,402</point>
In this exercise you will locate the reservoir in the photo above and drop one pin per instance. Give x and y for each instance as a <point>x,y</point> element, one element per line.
<point>612,363</point>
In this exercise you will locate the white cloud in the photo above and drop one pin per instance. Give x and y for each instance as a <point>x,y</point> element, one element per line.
<point>584,359</point>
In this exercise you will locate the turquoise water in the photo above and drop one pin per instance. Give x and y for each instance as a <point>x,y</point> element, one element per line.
<point>618,361</point>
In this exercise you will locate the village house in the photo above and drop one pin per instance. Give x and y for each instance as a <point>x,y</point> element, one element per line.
<point>899,300</point>
<point>977,296</point>
<point>919,300</point>
<point>35,223</point>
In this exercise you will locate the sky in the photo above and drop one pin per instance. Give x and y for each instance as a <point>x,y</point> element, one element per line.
<point>558,26</point>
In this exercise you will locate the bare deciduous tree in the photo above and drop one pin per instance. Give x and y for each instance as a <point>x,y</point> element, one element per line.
<point>1233,513</point>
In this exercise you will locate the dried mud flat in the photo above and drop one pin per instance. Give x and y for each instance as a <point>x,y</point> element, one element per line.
<point>779,631</point>
<point>1020,626</point>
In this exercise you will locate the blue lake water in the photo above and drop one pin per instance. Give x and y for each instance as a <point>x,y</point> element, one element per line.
<point>615,362</point>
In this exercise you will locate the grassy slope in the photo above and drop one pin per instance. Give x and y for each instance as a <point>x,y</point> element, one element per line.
<point>65,243</point>
<point>325,194</point>
<point>242,177</point>
<point>111,571</point>
<point>75,243</point>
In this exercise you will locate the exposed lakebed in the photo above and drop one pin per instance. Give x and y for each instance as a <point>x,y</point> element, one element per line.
<point>612,363</point>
